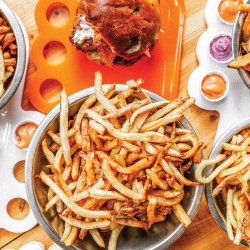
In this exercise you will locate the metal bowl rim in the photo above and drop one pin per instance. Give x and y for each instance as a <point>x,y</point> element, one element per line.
<point>164,243</point>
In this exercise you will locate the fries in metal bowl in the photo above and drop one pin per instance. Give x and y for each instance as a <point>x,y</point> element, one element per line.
<point>8,52</point>
<point>119,161</point>
<point>228,181</point>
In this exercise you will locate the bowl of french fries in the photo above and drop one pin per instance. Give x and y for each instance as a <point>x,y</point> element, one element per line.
<point>113,167</point>
<point>12,54</point>
<point>227,182</point>
<point>241,43</point>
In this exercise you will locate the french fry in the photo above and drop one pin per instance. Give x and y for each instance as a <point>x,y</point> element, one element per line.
<point>180,177</point>
<point>49,155</point>
<point>9,62</point>
<point>10,69</point>
<point>160,122</point>
<point>6,55</point>
<point>120,160</point>
<point>164,194</point>
<point>147,108</point>
<point>82,234</point>
<point>133,157</point>
<point>151,209</point>
<point>75,166</point>
<point>179,131</point>
<point>126,136</point>
<point>196,145</point>
<point>229,207</point>
<point>130,107</point>
<point>85,225</point>
<point>137,124</point>
<point>218,158</point>
<point>102,99</point>
<point>114,237</point>
<point>7,75</point>
<point>66,232</point>
<point>189,102</point>
<point>130,147</point>
<point>144,163</point>
<point>64,127</point>
<point>89,168</point>
<point>56,138</point>
<point>181,215</point>
<point>117,185</point>
<point>4,29</point>
<point>110,145</point>
<point>135,84</point>
<point>122,102</point>
<point>12,46</point>
<point>72,236</point>
<point>75,208</point>
<point>132,223</point>
<point>107,195</point>
<point>97,127</point>
<point>235,169</point>
<point>160,113</point>
<point>94,136</point>
<point>97,237</point>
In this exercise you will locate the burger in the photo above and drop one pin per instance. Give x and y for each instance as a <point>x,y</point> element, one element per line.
<point>116,32</point>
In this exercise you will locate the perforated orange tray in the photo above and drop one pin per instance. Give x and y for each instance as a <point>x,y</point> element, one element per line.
<point>76,72</point>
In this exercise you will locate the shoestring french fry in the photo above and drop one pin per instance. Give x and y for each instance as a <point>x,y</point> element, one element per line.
<point>230,173</point>
<point>112,168</point>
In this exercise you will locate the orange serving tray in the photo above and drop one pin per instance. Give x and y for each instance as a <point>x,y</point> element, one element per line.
<point>76,72</point>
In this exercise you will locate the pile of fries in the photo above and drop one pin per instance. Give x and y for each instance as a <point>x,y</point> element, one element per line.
<point>8,52</point>
<point>231,175</point>
<point>119,161</point>
<point>243,61</point>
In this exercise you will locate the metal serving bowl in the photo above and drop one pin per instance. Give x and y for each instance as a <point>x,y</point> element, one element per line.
<point>160,236</point>
<point>216,207</point>
<point>21,54</point>
<point>236,44</point>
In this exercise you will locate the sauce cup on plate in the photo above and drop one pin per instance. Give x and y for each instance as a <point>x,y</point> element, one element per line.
<point>220,48</point>
<point>227,10</point>
<point>214,86</point>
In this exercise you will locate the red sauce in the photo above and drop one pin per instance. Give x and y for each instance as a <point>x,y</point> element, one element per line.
<point>213,86</point>
<point>228,9</point>
<point>24,134</point>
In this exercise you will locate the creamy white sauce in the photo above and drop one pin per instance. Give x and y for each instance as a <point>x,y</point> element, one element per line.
<point>55,247</point>
<point>85,32</point>
<point>33,245</point>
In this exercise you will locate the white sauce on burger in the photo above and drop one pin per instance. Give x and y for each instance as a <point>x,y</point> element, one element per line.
<point>85,32</point>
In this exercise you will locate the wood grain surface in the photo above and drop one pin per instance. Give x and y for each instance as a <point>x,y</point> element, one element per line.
<point>204,233</point>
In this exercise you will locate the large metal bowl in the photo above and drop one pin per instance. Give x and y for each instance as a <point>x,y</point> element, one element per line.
<point>236,44</point>
<point>21,54</point>
<point>215,206</point>
<point>160,236</point>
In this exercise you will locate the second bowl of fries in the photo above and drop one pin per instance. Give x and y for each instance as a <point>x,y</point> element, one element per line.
<point>113,166</point>
<point>227,181</point>
<point>12,54</point>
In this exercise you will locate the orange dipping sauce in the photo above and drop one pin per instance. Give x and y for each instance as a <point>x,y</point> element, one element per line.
<point>24,134</point>
<point>228,9</point>
<point>213,86</point>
